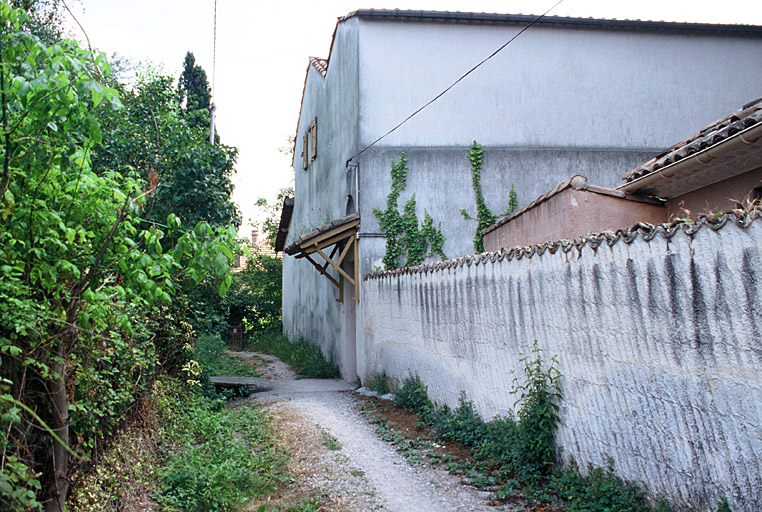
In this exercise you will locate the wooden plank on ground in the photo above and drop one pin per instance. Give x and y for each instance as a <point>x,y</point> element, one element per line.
<point>254,384</point>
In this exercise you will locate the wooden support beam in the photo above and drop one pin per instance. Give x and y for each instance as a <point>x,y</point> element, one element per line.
<point>343,239</point>
<point>326,274</point>
<point>343,254</point>
<point>356,264</point>
<point>336,267</point>
<point>344,233</point>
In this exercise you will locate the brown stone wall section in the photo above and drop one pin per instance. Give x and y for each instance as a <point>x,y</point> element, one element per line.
<point>569,214</point>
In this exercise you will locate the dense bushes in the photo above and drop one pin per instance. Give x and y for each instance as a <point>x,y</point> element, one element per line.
<point>255,297</point>
<point>525,446</point>
<point>304,357</point>
<point>91,255</point>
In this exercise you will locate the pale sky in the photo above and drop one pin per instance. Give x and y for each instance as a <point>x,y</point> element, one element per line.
<point>262,52</point>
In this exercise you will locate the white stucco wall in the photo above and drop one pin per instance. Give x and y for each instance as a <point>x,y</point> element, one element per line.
<point>557,102</point>
<point>310,309</point>
<point>556,87</point>
<point>659,344</point>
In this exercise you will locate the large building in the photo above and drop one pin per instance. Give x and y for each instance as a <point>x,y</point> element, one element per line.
<point>569,96</point>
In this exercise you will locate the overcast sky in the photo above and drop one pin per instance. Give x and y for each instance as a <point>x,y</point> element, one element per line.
<point>263,47</point>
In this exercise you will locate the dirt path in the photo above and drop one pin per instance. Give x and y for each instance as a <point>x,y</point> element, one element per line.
<point>336,455</point>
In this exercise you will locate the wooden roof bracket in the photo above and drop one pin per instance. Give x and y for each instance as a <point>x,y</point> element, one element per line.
<point>336,265</point>
<point>342,235</point>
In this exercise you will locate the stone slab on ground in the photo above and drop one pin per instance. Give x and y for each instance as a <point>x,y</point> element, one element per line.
<point>286,387</point>
<point>254,384</point>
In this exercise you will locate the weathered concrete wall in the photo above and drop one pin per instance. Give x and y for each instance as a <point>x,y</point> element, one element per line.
<point>553,87</point>
<point>440,179</point>
<point>657,335</point>
<point>309,306</point>
<point>558,102</point>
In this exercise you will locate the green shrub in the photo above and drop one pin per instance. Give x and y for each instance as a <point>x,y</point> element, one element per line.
<point>538,405</point>
<point>379,383</point>
<point>216,457</point>
<point>501,446</point>
<point>412,396</point>
<point>304,357</point>
<point>600,491</point>
<point>462,424</point>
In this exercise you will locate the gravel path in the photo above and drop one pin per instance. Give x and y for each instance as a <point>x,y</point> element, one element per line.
<point>365,473</point>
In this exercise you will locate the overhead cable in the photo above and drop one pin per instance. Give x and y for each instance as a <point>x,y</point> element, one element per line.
<point>435,98</point>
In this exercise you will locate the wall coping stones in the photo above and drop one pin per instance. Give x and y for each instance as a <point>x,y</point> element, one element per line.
<point>644,231</point>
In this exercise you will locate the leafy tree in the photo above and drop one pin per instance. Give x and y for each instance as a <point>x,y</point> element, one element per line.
<point>43,18</point>
<point>255,295</point>
<point>185,174</point>
<point>195,93</point>
<point>82,264</point>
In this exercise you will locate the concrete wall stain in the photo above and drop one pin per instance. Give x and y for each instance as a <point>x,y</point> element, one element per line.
<point>658,345</point>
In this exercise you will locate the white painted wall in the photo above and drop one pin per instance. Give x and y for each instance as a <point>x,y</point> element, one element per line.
<point>557,102</point>
<point>658,343</point>
<point>551,88</point>
<point>310,309</point>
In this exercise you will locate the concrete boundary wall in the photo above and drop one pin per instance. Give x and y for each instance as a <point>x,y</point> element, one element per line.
<point>657,331</point>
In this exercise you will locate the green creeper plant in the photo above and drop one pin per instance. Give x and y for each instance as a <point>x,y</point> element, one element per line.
<point>484,215</point>
<point>403,234</point>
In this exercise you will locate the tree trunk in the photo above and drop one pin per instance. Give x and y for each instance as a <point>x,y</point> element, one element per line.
<point>59,488</point>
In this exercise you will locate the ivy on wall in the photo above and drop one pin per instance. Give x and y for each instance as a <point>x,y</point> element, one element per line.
<point>403,234</point>
<point>484,215</point>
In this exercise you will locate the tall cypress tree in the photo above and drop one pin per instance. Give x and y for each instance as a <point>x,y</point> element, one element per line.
<point>195,93</point>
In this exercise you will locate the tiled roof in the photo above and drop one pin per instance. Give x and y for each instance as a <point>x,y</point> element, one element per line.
<point>294,247</point>
<point>285,221</point>
<point>569,22</point>
<point>748,116</point>
<point>647,232</point>
<point>320,64</point>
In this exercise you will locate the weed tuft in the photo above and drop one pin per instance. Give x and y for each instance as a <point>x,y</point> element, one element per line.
<point>412,396</point>
<point>329,441</point>
<point>379,383</point>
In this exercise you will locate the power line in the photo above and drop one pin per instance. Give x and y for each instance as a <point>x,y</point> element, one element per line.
<point>435,98</point>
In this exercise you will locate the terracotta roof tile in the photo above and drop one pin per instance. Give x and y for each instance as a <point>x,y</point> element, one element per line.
<point>320,64</point>
<point>748,116</point>
<point>646,232</point>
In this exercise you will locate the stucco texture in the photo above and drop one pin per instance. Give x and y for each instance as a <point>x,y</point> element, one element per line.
<point>657,334</point>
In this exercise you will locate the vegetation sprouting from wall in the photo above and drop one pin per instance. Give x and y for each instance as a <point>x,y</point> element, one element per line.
<point>403,234</point>
<point>484,215</point>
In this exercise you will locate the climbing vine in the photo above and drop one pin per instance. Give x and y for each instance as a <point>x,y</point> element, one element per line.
<point>403,234</point>
<point>484,215</point>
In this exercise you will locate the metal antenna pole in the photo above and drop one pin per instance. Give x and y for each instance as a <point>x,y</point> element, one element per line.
<point>212,107</point>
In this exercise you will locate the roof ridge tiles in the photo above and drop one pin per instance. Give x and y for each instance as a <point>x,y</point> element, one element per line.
<point>569,21</point>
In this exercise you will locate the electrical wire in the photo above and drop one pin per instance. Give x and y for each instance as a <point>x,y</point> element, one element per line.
<point>435,98</point>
